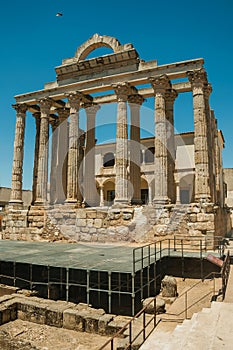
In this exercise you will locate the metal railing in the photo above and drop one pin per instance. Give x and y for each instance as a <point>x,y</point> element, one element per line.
<point>225,273</point>
<point>135,337</point>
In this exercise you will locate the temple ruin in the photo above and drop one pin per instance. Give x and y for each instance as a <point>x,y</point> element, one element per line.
<point>130,189</point>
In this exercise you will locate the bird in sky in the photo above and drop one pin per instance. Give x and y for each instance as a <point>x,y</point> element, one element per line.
<point>59,14</point>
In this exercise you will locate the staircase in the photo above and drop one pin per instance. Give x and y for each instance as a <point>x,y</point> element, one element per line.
<point>212,328</point>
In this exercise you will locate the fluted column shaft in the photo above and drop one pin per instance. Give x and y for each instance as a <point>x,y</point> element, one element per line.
<point>89,175</point>
<point>42,176</point>
<point>170,98</point>
<point>61,173</point>
<point>135,102</point>
<point>36,153</point>
<point>121,185</point>
<point>161,86</point>
<point>53,168</point>
<point>17,168</point>
<point>73,152</point>
<point>198,81</point>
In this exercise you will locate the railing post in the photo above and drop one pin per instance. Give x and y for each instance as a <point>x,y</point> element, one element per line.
<point>174,243</point>
<point>144,326</point>
<point>130,335</point>
<point>186,305</point>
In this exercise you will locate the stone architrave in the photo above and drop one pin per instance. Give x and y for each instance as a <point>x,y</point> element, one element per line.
<point>53,170</point>
<point>42,175</point>
<point>17,169</point>
<point>121,184</point>
<point>198,80</point>
<point>36,152</point>
<point>74,99</point>
<point>170,98</point>
<point>62,154</point>
<point>89,178</point>
<point>135,102</point>
<point>161,86</point>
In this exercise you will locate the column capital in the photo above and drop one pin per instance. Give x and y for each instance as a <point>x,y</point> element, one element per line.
<point>36,115</point>
<point>63,113</point>
<point>197,78</point>
<point>91,108</point>
<point>136,99</point>
<point>171,95</point>
<point>20,107</point>
<point>45,105</point>
<point>122,91</point>
<point>54,124</point>
<point>160,84</point>
<point>74,98</point>
<point>207,90</point>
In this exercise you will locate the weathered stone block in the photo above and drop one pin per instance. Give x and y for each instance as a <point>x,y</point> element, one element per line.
<point>81,214</point>
<point>91,214</point>
<point>98,223</point>
<point>81,222</point>
<point>32,311</point>
<point>103,324</point>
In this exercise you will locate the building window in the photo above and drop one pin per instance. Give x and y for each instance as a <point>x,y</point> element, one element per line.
<point>149,155</point>
<point>109,160</point>
<point>110,196</point>
<point>144,196</point>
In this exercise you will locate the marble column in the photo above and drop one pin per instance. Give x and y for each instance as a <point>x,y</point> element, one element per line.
<point>170,98</point>
<point>161,86</point>
<point>53,167</point>
<point>61,174</point>
<point>90,191</point>
<point>121,162</point>
<point>17,169</point>
<point>198,82</point>
<point>42,175</point>
<point>36,153</point>
<point>73,152</point>
<point>101,195</point>
<point>135,102</point>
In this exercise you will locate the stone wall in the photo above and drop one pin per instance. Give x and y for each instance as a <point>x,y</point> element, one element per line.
<point>132,224</point>
<point>78,317</point>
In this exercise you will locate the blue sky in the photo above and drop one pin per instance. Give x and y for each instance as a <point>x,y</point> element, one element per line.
<point>34,41</point>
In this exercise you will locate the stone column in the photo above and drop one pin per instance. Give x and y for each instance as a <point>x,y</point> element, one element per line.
<point>73,152</point>
<point>121,184</point>
<point>210,142</point>
<point>198,81</point>
<point>61,174</point>
<point>178,192</point>
<point>170,98</point>
<point>53,167</point>
<point>89,175</point>
<point>101,195</point>
<point>36,153</point>
<point>135,102</point>
<point>42,175</point>
<point>17,169</point>
<point>161,86</point>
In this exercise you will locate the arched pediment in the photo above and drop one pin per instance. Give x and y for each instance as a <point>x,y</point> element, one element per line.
<point>97,41</point>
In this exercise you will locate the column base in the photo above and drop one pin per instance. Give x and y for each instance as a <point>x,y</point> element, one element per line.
<point>121,203</point>
<point>16,204</point>
<point>136,201</point>
<point>161,200</point>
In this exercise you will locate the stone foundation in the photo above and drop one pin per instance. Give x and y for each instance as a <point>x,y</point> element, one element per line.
<point>140,224</point>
